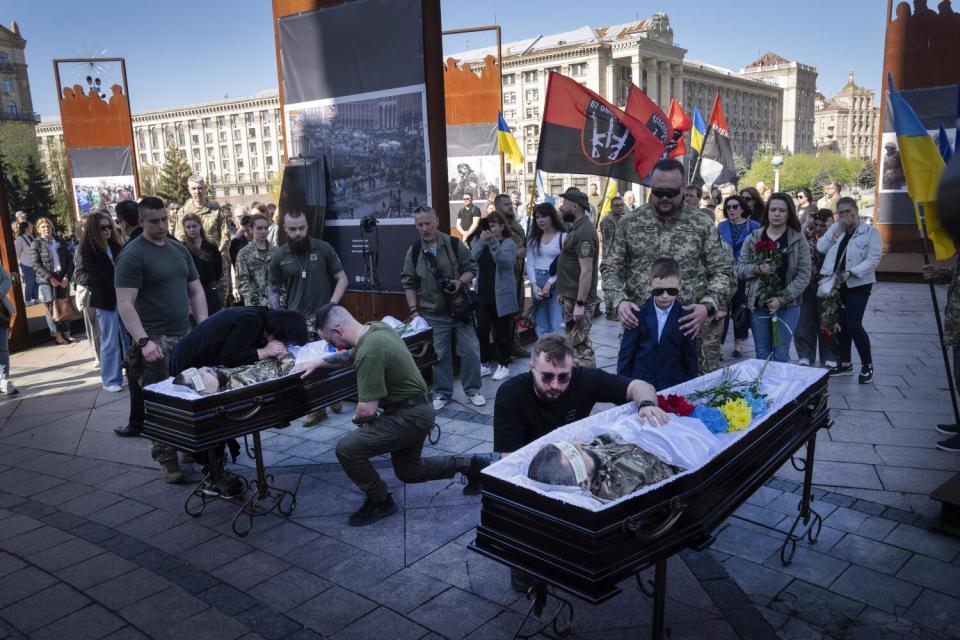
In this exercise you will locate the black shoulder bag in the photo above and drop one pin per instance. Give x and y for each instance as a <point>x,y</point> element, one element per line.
<point>461,305</point>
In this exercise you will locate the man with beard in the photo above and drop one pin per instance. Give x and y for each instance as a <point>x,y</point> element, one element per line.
<point>577,275</point>
<point>667,227</point>
<point>310,272</point>
<point>555,393</point>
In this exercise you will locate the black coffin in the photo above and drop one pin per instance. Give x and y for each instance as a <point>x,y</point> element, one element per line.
<point>588,553</point>
<point>195,425</point>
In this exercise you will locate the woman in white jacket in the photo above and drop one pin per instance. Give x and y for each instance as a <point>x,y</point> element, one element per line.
<point>853,251</point>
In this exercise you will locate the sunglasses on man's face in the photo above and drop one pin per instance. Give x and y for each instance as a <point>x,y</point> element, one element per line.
<point>547,378</point>
<point>665,193</point>
<point>659,291</point>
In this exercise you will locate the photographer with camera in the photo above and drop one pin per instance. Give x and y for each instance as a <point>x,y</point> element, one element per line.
<point>437,273</point>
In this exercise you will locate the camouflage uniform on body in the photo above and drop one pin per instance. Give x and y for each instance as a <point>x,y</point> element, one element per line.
<point>709,345</point>
<point>581,242</point>
<point>688,237</point>
<point>269,369</point>
<point>146,373</point>
<point>253,275</point>
<point>624,467</point>
<point>608,231</point>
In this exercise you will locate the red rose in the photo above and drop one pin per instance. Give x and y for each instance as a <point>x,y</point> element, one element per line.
<point>766,245</point>
<point>675,404</point>
<point>826,333</point>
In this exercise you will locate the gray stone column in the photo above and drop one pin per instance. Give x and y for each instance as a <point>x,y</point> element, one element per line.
<point>653,79</point>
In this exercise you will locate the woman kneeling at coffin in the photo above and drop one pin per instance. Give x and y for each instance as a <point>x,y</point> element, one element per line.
<point>607,467</point>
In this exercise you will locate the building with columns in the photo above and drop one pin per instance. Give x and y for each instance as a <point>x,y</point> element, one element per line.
<point>848,123</point>
<point>607,60</point>
<point>236,144</point>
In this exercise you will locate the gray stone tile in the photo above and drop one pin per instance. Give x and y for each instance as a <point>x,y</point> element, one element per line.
<point>876,589</point>
<point>16,525</point>
<point>42,608</point>
<point>9,564</point>
<point>759,515</point>
<point>251,569</point>
<point>280,539</point>
<point>93,571</point>
<point>381,623</point>
<point>860,523</point>
<point>65,555</point>
<point>191,579</point>
<point>126,481</point>
<point>227,599</point>
<point>269,624</point>
<point>20,584</point>
<point>936,611</point>
<point>405,590</point>
<point>157,560</point>
<point>361,571</point>
<point>37,484</point>
<point>755,579</point>
<point>128,588</point>
<point>746,543</point>
<point>818,607</point>
<point>215,552</point>
<point>210,624</point>
<point>912,480</point>
<point>93,500</point>
<point>61,493</point>
<point>332,610</point>
<point>97,533</point>
<point>183,536</point>
<point>443,614</point>
<point>36,540</point>
<point>289,589</point>
<point>814,567</point>
<point>932,574</point>
<point>126,633</point>
<point>317,555</point>
<point>120,512</point>
<point>151,524</point>
<point>89,623</point>
<point>923,541</point>
<point>430,528</point>
<point>877,556</point>
<point>162,610</point>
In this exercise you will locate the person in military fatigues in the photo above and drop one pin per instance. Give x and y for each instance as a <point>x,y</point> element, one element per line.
<point>951,338</point>
<point>667,226</point>
<point>607,467</point>
<point>214,226</point>
<point>218,379</point>
<point>577,275</point>
<point>608,231</point>
<point>253,265</point>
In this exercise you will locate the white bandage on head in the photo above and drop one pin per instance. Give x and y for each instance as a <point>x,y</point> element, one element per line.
<point>572,454</point>
<point>197,380</point>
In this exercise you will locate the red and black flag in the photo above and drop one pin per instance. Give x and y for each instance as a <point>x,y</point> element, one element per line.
<point>715,165</point>
<point>641,107</point>
<point>583,133</point>
<point>680,122</point>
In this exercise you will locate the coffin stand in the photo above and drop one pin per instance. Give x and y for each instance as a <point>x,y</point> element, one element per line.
<point>201,424</point>
<point>587,553</point>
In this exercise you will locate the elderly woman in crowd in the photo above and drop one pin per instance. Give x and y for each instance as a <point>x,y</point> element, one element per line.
<point>52,264</point>
<point>100,244</point>
<point>853,251</point>
<point>734,230</point>
<point>496,256</point>
<point>775,262</point>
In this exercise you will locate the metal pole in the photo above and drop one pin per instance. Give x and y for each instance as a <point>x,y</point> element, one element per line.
<point>776,179</point>
<point>936,314</point>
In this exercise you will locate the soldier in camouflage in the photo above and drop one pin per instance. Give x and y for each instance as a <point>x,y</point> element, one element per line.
<point>607,467</point>
<point>210,380</point>
<point>608,231</point>
<point>253,265</point>
<point>668,227</point>
<point>577,275</point>
<point>951,338</point>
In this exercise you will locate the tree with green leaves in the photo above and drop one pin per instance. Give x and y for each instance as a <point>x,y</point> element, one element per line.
<point>817,184</point>
<point>868,176</point>
<point>13,188</point>
<point>37,193</point>
<point>173,177</point>
<point>742,165</point>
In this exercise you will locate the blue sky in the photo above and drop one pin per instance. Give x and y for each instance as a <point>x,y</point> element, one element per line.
<point>180,52</point>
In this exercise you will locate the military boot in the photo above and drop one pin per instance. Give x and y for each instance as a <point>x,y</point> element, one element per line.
<point>470,469</point>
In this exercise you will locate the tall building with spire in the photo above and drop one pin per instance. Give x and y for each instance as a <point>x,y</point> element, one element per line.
<point>848,123</point>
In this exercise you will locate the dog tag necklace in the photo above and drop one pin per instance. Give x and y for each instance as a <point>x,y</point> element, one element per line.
<point>303,267</point>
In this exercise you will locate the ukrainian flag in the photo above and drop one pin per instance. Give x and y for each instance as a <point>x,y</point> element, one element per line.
<point>506,141</point>
<point>698,132</point>
<point>922,167</point>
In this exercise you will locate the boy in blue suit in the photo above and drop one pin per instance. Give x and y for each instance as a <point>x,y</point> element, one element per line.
<point>656,350</point>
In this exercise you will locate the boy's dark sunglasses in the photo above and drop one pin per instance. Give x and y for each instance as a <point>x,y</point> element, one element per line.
<point>665,193</point>
<point>659,291</point>
<point>562,378</point>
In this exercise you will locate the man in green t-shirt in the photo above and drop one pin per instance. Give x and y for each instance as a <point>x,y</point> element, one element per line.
<point>577,275</point>
<point>394,412</point>
<point>157,286</point>
<point>306,268</point>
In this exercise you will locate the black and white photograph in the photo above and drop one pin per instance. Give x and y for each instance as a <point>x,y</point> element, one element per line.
<point>375,152</point>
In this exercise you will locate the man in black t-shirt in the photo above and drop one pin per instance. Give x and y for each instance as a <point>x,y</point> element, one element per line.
<point>555,393</point>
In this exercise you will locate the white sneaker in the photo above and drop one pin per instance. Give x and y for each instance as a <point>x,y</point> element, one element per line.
<point>485,370</point>
<point>803,362</point>
<point>829,364</point>
<point>501,373</point>
<point>7,388</point>
<point>113,388</point>
<point>478,400</point>
<point>439,403</point>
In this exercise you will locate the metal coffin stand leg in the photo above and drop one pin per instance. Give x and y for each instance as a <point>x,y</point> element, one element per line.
<point>265,498</point>
<point>807,516</point>
<point>540,593</point>
<point>207,490</point>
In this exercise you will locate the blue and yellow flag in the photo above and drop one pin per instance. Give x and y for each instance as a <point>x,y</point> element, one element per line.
<point>698,132</point>
<point>506,141</point>
<point>922,167</point>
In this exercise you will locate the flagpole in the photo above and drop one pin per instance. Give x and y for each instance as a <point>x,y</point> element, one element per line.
<point>936,313</point>
<point>603,202</point>
<point>703,146</point>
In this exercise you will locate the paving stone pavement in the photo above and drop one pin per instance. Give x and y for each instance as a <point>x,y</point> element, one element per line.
<point>94,545</point>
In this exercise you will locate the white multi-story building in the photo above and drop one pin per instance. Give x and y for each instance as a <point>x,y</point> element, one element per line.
<point>849,122</point>
<point>608,60</point>
<point>236,144</point>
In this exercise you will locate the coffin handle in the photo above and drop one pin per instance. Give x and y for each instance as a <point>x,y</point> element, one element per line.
<point>676,510</point>
<point>246,415</point>
<point>423,350</point>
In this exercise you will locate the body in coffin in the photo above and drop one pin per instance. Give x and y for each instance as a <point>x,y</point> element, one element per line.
<point>587,546</point>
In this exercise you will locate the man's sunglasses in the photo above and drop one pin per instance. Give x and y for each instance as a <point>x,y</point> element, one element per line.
<point>562,378</point>
<point>659,291</point>
<point>665,193</point>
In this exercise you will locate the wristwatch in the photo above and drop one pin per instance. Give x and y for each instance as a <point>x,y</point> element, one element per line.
<point>581,303</point>
<point>646,403</point>
<point>142,342</point>
<point>711,309</point>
